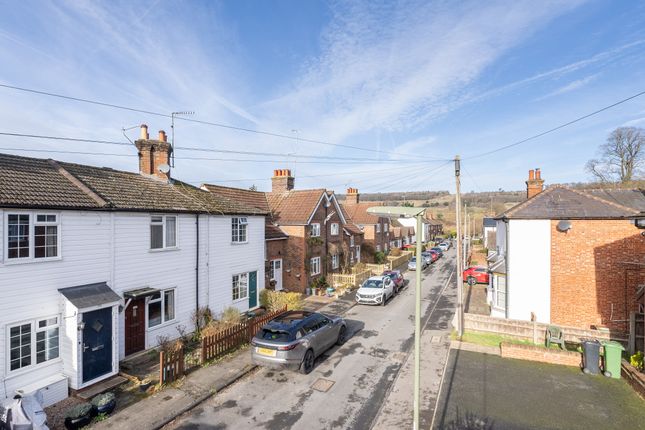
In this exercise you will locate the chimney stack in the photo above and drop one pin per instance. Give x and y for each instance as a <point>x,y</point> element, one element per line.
<point>282,181</point>
<point>535,183</point>
<point>352,197</point>
<point>154,155</point>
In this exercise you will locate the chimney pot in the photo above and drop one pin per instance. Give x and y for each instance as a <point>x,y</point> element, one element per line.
<point>153,154</point>
<point>162,136</point>
<point>144,132</point>
<point>352,197</point>
<point>282,181</point>
<point>531,174</point>
<point>535,183</point>
<point>537,174</point>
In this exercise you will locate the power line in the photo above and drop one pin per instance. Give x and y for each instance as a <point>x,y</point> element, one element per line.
<point>215,124</point>
<point>221,151</point>
<point>501,148</point>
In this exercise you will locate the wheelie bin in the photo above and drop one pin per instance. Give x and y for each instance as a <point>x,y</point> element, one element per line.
<point>591,356</point>
<point>613,355</point>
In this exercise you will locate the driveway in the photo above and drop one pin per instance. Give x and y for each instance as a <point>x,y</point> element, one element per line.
<point>517,394</point>
<point>348,386</point>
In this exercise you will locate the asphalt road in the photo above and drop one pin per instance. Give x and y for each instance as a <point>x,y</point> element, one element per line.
<point>358,376</point>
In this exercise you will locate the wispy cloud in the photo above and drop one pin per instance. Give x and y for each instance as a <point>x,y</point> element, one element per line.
<point>571,86</point>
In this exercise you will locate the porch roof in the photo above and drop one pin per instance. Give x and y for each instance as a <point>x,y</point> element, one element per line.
<point>87,296</point>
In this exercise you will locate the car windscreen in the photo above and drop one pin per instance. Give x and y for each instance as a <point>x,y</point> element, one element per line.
<point>276,335</point>
<point>372,283</point>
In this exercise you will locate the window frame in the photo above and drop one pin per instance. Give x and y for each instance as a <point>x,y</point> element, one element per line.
<point>386,227</point>
<point>335,261</point>
<point>164,232</point>
<point>31,236</point>
<point>351,240</point>
<point>314,262</point>
<point>240,297</point>
<point>162,300</point>
<point>334,229</point>
<point>242,221</point>
<point>378,227</point>
<point>314,231</point>
<point>378,248</point>
<point>33,343</point>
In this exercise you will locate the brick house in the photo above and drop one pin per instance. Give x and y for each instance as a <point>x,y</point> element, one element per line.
<point>376,229</point>
<point>97,264</point>
<point>564,255</point>
<point>305,230</point>
<point>434,226</point>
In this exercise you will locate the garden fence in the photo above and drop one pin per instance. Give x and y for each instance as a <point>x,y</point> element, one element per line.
<point>171,365</point>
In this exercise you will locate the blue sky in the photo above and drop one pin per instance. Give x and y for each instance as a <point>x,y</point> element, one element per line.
<point>436,78</point>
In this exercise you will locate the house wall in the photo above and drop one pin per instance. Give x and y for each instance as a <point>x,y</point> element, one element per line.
<point>529,269</point>
<point>590,285</point>
<point>294,275</point>
<point>275,249</point>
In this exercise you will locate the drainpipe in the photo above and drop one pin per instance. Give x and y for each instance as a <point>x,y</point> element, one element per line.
<point>506,258</point>
<point>197,266</point>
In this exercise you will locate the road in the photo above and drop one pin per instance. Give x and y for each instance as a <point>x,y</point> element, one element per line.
<point>350,384</point>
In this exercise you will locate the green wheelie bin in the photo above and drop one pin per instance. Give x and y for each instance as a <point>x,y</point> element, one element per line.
<point>613,355</point>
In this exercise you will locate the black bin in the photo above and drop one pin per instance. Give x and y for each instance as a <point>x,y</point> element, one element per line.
<point>591,356</point>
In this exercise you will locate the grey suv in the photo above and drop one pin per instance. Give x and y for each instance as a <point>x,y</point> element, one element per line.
<point>296,338</point>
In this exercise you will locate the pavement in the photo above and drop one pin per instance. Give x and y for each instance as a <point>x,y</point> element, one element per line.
<point>510,394</point>
<point>350,384</point>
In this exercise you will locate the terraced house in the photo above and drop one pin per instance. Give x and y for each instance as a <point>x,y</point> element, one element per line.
<point>375,228</point>
<point>97,264</point>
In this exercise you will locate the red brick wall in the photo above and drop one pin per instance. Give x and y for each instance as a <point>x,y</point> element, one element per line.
<point>541,354</point>
<point>276,249</point>
<point>588,275</point>
<point>294,277</point>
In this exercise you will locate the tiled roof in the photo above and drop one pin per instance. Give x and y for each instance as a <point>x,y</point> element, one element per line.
<point>353,228</point>
<point>254,199</point>
<point>294,207</point>
<point>38,183</point>
<point>564,203</point>
<point>272,232</point>
<point>358,212</point>
<point>631,198</point>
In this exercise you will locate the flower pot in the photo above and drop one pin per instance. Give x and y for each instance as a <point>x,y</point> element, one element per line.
<point>107,408</point>
<point>77,423</point>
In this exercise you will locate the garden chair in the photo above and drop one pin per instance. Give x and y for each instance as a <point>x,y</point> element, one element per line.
<point>555,334</point>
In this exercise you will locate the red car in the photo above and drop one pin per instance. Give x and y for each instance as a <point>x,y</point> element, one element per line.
<point>476,275</point>
<point>397,277</point>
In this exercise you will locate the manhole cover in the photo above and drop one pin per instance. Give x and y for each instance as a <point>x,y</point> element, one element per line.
<point>323,385</point>
<point>435,339</point>
<point>398,357</point>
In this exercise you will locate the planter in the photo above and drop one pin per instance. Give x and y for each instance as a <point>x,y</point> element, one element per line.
<point>77,423</point>
<point>104,403</point>
<point>79,416</point>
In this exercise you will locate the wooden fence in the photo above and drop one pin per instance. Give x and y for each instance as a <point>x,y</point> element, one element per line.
<point>171,365</point>
<point>221,343</point>
<point>636,333</point>
<point>354,279</point>
<point>402,259</point>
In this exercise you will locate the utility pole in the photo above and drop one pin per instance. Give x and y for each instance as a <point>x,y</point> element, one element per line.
<point>465,243</point>
<point>460,269</point>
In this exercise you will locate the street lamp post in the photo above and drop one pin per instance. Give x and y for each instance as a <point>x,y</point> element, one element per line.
<point>407,212</point>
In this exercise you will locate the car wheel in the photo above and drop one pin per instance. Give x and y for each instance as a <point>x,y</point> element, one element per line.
<point>341,335</point>
<point>308,362</point>
<point>383,299</point>
<point>471,281</point>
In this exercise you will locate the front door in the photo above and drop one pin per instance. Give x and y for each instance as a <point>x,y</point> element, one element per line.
<point>253,290</point>
<point>276,273</point>
<point>97,343</point>
<point>135,326</point>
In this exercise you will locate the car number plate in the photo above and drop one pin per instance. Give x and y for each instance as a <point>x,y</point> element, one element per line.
<point>267,351</point>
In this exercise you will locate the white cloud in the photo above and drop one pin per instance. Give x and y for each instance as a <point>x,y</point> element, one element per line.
<point>571,86</point>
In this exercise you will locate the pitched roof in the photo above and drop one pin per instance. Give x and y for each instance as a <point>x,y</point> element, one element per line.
<point>564,203</point>
<point>634,198</point>
<point>294,207</point>
<point>358,212</point>
<point>39,183</point>
<point>489,222</point>
<point>273,232</point>
<point>254,199</point>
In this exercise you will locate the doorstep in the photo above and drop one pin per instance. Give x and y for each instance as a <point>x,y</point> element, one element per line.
<point>100,387</point>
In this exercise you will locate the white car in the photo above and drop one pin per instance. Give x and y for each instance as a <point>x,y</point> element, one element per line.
<point>444,246</point>
<point>375,291</point>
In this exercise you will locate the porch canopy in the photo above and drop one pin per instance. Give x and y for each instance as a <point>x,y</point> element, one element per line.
<point>90,295</point>
<point>140,292</point>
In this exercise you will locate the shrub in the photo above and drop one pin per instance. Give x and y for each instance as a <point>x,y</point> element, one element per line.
<point>231,316</point>
<point>320,282</point>
<point>379,257</point>
<point>636,360</point>
<point>275,300</point>
<point>202,317</point>
<point>395,252</point>
<point>103,399</point>
<point>79,411</point>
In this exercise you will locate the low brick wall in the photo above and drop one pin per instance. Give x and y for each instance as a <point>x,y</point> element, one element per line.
<point>634,377</point>
<point>541,354</point>
<point>524,330</point>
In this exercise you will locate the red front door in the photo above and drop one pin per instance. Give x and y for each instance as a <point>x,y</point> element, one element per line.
<point>135,326</point>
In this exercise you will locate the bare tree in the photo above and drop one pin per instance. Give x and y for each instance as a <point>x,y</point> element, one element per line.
<point>621,156</point>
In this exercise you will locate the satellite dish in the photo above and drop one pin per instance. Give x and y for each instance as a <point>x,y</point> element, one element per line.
<point>564,226</point>
<point>164,168</point>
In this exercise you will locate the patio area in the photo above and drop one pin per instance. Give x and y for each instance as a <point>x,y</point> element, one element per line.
<point>515,394</point>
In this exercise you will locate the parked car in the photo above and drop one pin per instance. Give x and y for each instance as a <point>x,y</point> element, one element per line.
<point>294,339</point>
<point>375,291</point>
<point>444,246</point>
<point>409,247</point>
<point>437,250</point>
<point>476,275</point>
<point>435,255</point>
<point>412,264</point>
<point>397,278</point>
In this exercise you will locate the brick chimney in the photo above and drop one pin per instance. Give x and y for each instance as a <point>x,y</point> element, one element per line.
<point>282,181</point>
<point>352,197</point>
<point>535,183</point>
<point>154,155</point>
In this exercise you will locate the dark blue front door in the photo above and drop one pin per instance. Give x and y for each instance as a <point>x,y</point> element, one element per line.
<point>253,289</point>
<point>97,343</point>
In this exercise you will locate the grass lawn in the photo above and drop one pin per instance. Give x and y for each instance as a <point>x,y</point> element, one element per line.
<point>490,339</point>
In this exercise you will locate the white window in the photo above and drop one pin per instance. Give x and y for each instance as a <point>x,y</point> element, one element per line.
<point>351,257</point>
<point>315,230</point>
<point>163,231</point>
<point>33,342</point>
<point>315,266</point>
<point>240,286</point>
<point>500,292</point>
<point>378,248</point>
<point>385,227</point>
<point>239,225</point>
<point>334,229</point>
<point>161,308</point>
<point>32,236</point>
<point>378,228</point>
<point>351,240</point>
<point>335,262</point>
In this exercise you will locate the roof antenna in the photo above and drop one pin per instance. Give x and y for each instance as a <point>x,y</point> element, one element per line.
<point>172,131</point>
<point>123,130</point>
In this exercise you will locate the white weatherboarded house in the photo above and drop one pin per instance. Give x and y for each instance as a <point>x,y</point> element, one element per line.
<point>97,264</point>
